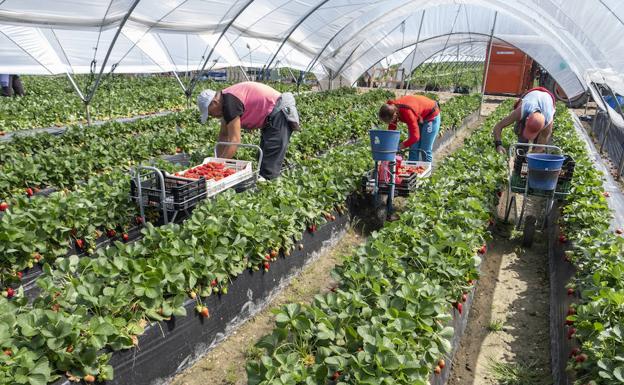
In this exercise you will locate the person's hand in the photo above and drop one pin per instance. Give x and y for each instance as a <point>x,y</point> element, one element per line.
<point>401,147</point>
<point>501,150</point>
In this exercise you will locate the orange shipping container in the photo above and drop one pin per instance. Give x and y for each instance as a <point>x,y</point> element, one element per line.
<point>509,72</point>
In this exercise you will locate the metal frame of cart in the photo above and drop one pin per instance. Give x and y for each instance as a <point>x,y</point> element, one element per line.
<point>166,205</point>
<point>517,183</point>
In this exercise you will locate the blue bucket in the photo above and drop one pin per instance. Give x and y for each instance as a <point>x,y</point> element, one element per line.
<point>544,170</point>
<point>612,102</point>
<point>384,144</point>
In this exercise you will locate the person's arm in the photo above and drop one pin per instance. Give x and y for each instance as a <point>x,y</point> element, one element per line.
<point>230,132</point>
<point>413,129</point>
<point>506,121</point>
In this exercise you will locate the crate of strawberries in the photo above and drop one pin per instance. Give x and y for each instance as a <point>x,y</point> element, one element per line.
<point>406,179</point>
<point>219,173</point>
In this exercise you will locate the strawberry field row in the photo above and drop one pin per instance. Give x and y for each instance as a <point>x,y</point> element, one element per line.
<point>53,161</point>
<point>123,285</point>
<point>385,322</point>
<point>47,227</point>
<point>52,101</point>
<point>595,322</point>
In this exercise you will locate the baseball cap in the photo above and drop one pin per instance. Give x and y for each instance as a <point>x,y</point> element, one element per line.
<point>535,122</point>
<point>203,100</point>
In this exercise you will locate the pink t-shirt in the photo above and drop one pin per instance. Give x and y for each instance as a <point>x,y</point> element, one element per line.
<point>258,100</point>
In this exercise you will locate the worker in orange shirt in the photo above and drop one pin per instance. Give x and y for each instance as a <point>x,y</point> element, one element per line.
<point>422,117</point>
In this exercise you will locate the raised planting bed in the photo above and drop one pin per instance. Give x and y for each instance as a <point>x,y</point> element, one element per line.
<point>168,347</point>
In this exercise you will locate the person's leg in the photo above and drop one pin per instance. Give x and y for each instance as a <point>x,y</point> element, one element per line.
<point>428,134</point>
<point>18,88</point>
<point>414,152</point>
<point>274,143</point>
<point>5,83</point>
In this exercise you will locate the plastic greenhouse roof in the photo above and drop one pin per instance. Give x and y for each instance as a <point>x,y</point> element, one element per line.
<point>341,38</point>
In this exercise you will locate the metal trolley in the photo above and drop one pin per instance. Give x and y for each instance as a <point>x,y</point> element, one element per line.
<point>518,186</point>
<point>175,196</point>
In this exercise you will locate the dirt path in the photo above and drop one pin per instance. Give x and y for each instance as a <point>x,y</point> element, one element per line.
<point>507,337</point>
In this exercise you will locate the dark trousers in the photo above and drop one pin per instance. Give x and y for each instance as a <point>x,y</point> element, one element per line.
<point>15,87</point>
<point>274,144</point>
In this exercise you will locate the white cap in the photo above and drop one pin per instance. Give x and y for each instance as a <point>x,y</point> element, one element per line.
<point>203,100</point>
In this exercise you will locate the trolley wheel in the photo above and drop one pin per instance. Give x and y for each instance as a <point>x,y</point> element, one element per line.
<point>529,231</point>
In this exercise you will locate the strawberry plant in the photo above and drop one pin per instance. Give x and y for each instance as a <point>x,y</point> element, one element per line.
<point>385,323</point>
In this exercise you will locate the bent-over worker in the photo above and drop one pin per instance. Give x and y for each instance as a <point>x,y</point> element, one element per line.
<point>422,117</point>
<point>533,117</point>
<point>252,105</point>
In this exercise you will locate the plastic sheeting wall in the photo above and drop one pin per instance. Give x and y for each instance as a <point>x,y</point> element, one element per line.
<point>567,37</point>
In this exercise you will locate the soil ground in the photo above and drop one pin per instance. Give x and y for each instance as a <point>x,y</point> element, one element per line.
<point>507,339</point>
<point>225,365</point>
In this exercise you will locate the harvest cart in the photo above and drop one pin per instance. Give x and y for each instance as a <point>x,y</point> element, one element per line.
<point>538,186</point>
<point>175,195</point>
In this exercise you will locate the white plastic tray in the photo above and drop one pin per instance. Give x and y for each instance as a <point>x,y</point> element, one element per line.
<point>243,172</point>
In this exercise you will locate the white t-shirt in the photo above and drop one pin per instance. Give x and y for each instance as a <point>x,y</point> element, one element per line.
<point>538,101</point>
<point>4,80</point>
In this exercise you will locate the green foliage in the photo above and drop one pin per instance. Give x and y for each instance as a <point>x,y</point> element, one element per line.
<point>387,321</point>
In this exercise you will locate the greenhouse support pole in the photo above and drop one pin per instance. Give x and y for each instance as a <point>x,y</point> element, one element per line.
<point>110,50</point>
<point>409,79</point>
<point>293,29</point>
<point>487,64</point>
<point>191,87</point>
<point>75,85</point>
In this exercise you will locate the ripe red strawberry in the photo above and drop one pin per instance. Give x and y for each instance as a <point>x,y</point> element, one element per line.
<point>70,349</point>
<point>437,370</point>
<point>336,375</point>
<point>312,228</point>
<point>273,253</point>
<point>458,306</point>
<point>332,217</point>
<point>29,192</point>
<point>89,378</point>
<point>499,194</point>
<point>464,297</point>
<point>79,243</point>
<point>125,237</point>
<point>571,332</point>
<point>574,352</point>
<point>204,312</point>
<point>178,150</point>
<point>571,311</point>
<point>562,239</point>
<point>111,233</point>
<point>139,220</point>
<point>213,283</point>
<point>37,257</point>
<point>570,291</point>
<point>441,363</point>
<point>581,357</point>
<point>569,322</point>
<point>471,282</point>
<point>267,257</point>
<point>482,249</point>
<point>8,352</point>
<point>4,206</point>
<point>10,292</point>
<point>266,266</point>
<point>606,194</point>
<point>19,275</point>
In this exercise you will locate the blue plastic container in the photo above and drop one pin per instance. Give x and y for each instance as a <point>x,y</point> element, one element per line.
<point>544,170</point>
<point>384,144</point>
<point>611,101</point>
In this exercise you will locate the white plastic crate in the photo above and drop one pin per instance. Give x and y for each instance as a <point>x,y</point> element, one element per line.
<point>370,185</point>
<point>243,172</point>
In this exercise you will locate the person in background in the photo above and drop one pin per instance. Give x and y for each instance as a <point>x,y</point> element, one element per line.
<point>422,117</point>
<point>251,105</point>
<point>533,116</point>
<point>11,85</point>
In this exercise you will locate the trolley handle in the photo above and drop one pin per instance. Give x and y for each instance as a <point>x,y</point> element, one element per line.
<point>260,153</point>
<point>514,148</point>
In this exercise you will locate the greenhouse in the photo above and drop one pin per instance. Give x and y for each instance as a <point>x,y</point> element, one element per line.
<point>312,192</point>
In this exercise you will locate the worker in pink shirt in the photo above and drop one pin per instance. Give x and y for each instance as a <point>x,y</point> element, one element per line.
<point>251,105</point>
